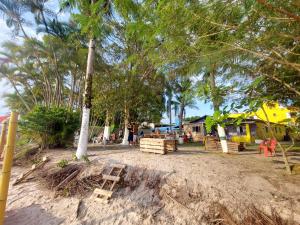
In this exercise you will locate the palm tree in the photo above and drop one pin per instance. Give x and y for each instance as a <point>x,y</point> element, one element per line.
<point>38,9</point>
<point>12,12</point>
<point>90,29</point>
<point>184,97</point>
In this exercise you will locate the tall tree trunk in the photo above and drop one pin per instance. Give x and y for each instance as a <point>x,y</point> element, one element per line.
<point>71,95</point>
<point>170,114</point>
<point>216,106</point>
<point>283,151</point>
<point>126,131</point>
<point>87,104</point>
<point>106,129</point>
<point>181,117</point>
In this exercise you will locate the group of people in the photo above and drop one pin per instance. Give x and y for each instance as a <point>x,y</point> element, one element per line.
<point>187,137</point>
<point>133,134</point>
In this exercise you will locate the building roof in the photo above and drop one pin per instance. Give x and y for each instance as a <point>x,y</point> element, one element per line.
<point>2,118</point>
<point>252,121</point>
<point>199,120</point>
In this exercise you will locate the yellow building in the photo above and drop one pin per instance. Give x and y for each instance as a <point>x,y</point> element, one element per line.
<point>254,130</point>
<point>275,112</point>
<point>254,126</point>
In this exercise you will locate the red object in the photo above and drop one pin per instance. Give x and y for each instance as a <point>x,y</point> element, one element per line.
<point>268,147</point>
<point>272,146</point>
<point>185,139</point>
<point>263,147</point>
<point>2,118</point>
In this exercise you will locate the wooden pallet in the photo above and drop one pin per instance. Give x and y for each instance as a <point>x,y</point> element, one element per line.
<point>215,145</point>
<point>211,144</point>
<point>170,145</point>
<point>160,146</point>
<point>110,180</point>
<point>233,146</point>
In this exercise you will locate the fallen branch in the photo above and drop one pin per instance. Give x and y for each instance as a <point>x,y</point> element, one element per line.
<point>67,180</point>
<point>33,168</point>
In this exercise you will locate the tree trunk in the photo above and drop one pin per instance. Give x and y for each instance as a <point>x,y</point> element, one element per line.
<point>126,131</point>
<point>83,138</point>
<point>284,156</point>
<point>170,115</point>
<point>181,117</point>
<point>216,106</point>
<point>106,134</point>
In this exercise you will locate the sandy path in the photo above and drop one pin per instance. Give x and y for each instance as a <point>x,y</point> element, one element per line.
<point>232,179</point>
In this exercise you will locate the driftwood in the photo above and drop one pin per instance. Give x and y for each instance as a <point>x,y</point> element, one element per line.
<point>33,168</point>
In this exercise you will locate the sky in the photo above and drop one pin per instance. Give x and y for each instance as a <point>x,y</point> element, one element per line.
<point>5,87</point>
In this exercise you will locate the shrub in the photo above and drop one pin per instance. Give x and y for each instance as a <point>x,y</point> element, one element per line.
<point>51,127</point>
<point>62,163</point>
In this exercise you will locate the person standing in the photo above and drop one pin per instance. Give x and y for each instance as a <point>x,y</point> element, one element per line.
<point>135,133</point>
<point>130,134</point>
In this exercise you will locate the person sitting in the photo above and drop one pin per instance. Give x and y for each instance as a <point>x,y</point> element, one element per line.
<point>189,136</point>
<point>113,137</point>
<point>185,138</point>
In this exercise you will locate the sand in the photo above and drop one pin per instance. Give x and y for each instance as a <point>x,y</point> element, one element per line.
<point>191,180</point>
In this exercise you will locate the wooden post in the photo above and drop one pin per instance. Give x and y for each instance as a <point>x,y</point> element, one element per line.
<point>7,163</point>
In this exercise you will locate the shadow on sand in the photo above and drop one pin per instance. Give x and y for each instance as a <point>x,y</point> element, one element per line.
<point>33,215</point>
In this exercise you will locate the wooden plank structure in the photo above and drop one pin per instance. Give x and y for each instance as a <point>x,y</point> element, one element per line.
<point>233,146</point>
<point>212,144</point>
<point>158,145</point>
<point>110,180</point>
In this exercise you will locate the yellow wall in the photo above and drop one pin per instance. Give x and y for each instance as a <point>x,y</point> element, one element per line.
<point>275,113</point>
<point>243,138</point>
<point>261,133</point>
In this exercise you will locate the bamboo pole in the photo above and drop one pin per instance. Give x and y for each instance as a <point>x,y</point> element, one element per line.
<point>7,163</point>
<point>2,138</point>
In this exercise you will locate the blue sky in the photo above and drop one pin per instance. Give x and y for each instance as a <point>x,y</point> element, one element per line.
<point>5,35</point>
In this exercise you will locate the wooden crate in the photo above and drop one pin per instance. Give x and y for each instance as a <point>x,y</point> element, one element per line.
<point>170,145</point>
<point>157,145</point>
<point>232,146</point>
<point>211,144</point>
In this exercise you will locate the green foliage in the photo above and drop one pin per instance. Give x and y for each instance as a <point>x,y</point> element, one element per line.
<point>218,118</point>
<point>86,159</point>
<point>74,157</point>
<point>52,127</point>
<point>221,118</point>
<point>62,163</point>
